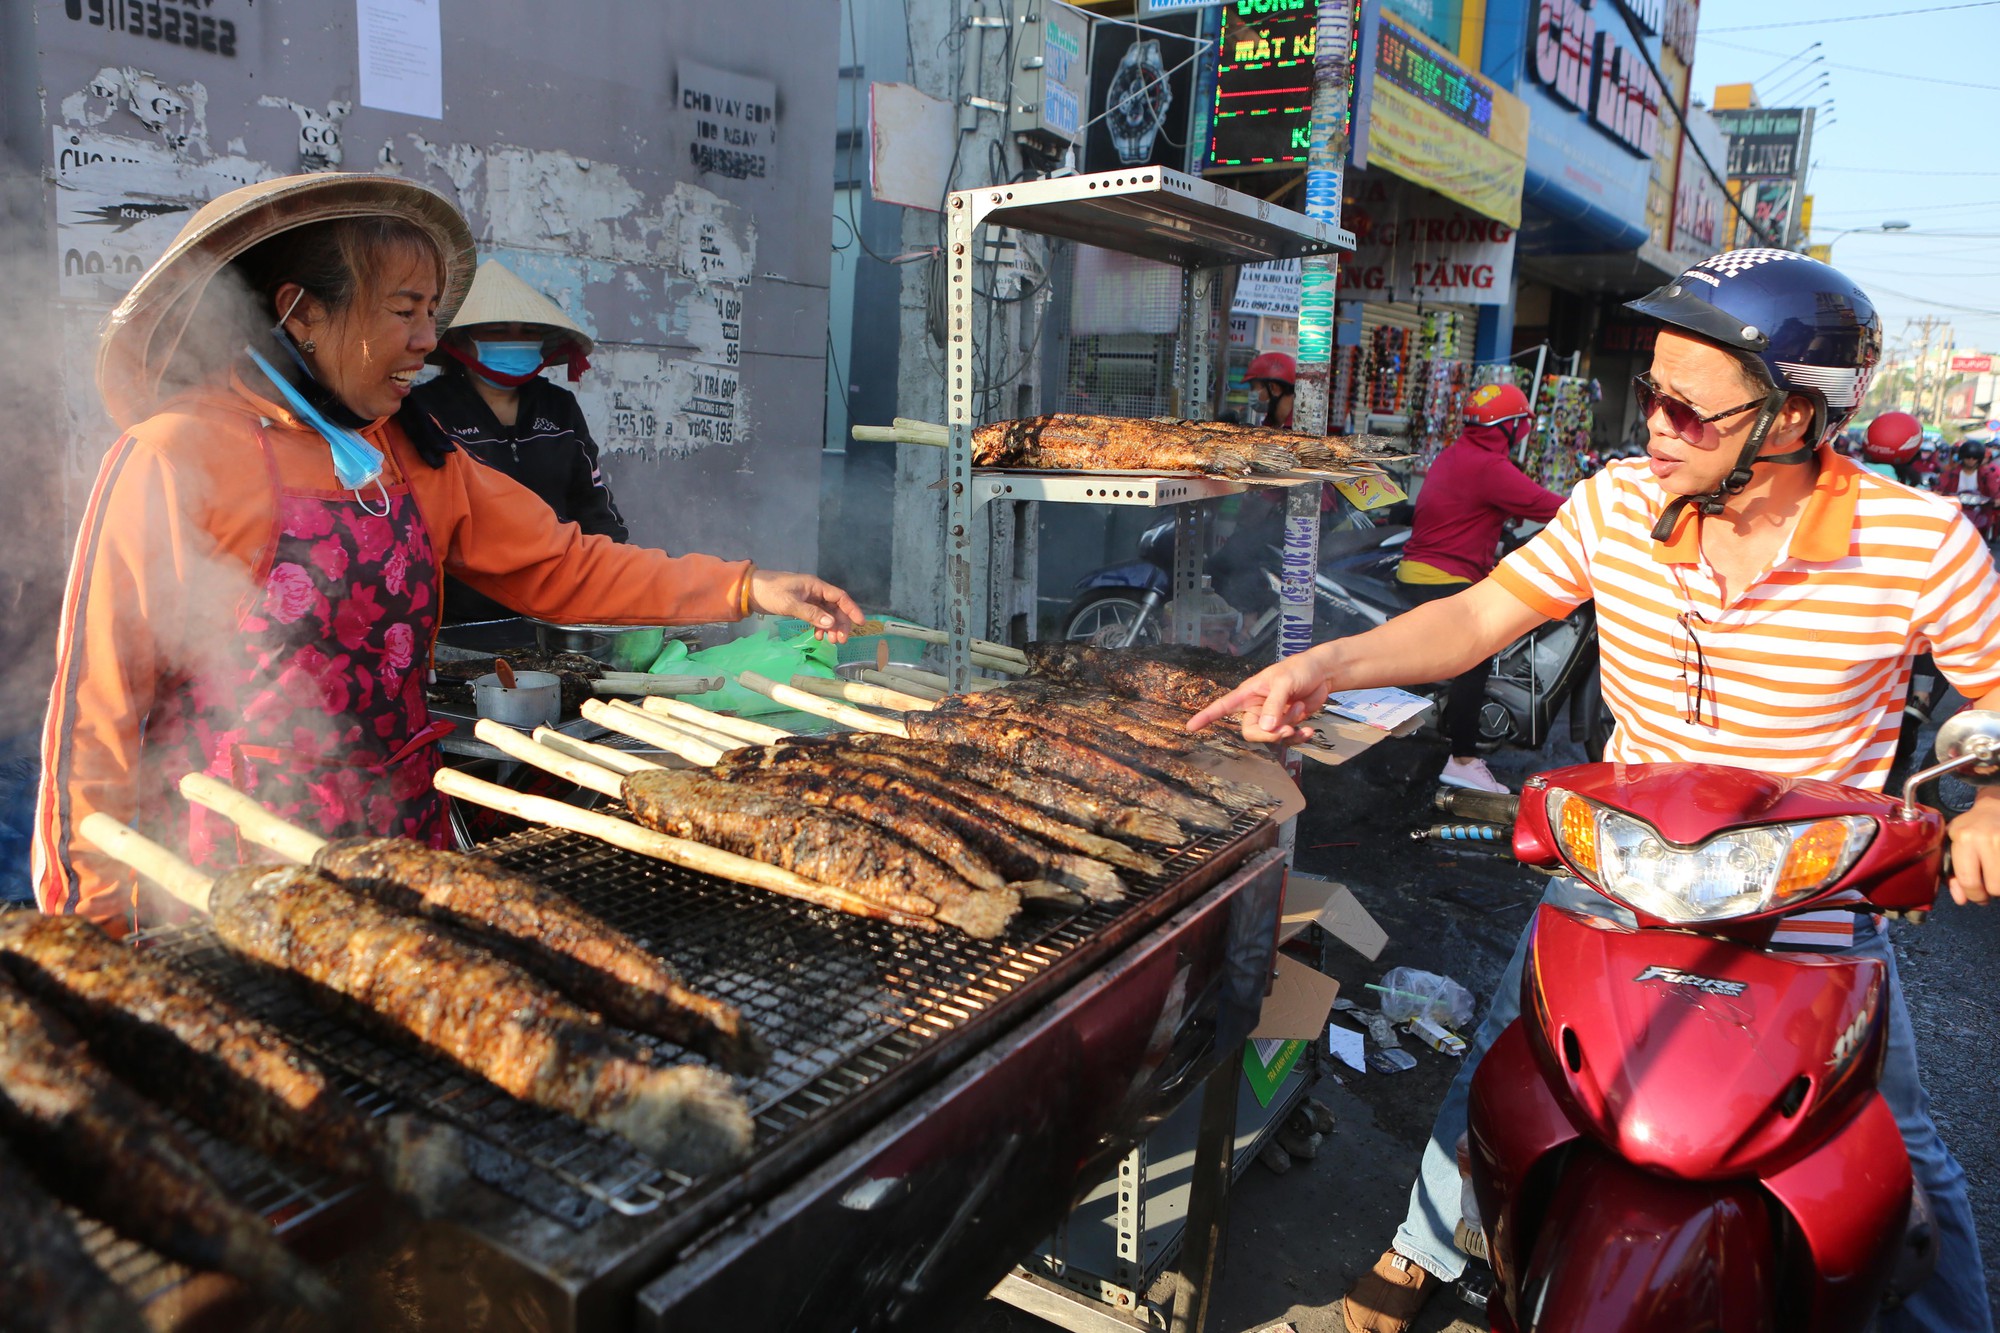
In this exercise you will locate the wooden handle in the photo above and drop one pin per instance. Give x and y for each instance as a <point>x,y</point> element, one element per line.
<point>628,721</point>
<point>618,761</point>
<point>743,729</point>
<point>818,707</point>
<point>580,771</point>
<point>505,671</point>
<point>650,685</point>
<point>251,819</point>
<point>719,740</point>
<point>896,629</point>
<point>912,431</point>
<point>147,857</point>
<point>903,685</point>
<point>875,696</point>
<point>875,434</point>
<point>1011,666</point>
<point>940,683</point>
<point>660,847</point>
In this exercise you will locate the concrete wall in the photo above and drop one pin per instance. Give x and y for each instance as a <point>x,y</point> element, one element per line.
<point>564,141</point>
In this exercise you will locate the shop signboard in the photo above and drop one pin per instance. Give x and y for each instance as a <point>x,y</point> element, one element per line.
<point>1971,365</point>
<point>1700,203</point>
<point>1767,143</point>
<point>1411,245</point>
<point>1438,20</point>
<point>1268,289</point>
<point>1594,119</point>
<point>1768,206</point>
<point>1263,84</point>
<point>1141,91</point>
<point>1444,127</point>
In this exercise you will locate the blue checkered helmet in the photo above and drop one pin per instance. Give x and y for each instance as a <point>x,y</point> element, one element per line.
<point>1814,332</point>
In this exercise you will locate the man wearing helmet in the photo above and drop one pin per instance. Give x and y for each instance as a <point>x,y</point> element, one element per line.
<point>1890,447</point>
<point>1272,375</point>
<point>1973,479</point>
<point>1469,494</point>
<point>1759,600</point>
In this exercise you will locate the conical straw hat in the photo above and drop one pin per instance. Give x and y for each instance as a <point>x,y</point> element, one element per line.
<point>143,335</point>
<point>499,297</point>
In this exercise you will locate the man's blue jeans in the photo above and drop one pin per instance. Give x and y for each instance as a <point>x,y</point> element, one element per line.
<point>1953,1301</point>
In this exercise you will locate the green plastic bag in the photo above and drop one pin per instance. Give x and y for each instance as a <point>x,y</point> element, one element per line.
<point>769,656</point>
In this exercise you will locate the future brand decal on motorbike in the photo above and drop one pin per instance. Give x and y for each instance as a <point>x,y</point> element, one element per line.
<point>1849,1042</point>
<point>1673,976</point>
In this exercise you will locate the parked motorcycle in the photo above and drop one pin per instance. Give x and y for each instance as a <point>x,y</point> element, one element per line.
<point>1683,1129</point>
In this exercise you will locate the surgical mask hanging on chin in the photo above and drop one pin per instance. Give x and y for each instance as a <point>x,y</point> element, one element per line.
<point>511,359</point>
<point>355,461</point>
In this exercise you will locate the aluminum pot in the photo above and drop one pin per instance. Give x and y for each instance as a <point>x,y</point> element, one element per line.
<point>618,647</point>
<point>535,700</point>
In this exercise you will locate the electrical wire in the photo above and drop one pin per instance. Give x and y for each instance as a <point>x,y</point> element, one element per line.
<point>1858,18</point>
<point>1862,69</point>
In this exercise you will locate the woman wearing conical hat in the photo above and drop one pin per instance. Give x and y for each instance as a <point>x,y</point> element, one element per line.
<point>492,401</point>
<point>254,592</point>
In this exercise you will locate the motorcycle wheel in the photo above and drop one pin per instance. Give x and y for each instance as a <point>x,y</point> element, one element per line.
<point>1590,720</point>
<point>1104,616</point>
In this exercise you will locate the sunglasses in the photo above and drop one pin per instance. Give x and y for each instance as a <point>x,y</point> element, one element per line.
<point>1686,419</point>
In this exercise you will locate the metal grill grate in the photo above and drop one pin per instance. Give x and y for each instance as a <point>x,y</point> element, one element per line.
<point>844,1003</point>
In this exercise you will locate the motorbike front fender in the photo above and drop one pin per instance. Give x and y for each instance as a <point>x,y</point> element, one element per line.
<point>1138,575</point>
<point>1623,1251</point>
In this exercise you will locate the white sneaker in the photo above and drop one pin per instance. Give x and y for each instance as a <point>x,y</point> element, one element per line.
<point>1472,773</point>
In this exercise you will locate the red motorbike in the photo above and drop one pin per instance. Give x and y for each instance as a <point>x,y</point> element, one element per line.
<point>1683,1129</point>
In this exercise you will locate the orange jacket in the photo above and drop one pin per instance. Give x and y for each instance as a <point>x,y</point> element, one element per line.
<point>183,509</point>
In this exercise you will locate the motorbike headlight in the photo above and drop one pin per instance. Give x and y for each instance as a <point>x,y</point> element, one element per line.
<point>1738,873</point>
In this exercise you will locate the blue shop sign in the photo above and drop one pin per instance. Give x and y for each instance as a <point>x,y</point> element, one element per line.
<point>1595,113</point>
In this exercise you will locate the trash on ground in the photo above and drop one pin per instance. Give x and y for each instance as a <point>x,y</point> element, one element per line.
<point>1408,993</point>
<point>1391,1062</point>
<point>1349,1045</point>
<point>1437,1038</point>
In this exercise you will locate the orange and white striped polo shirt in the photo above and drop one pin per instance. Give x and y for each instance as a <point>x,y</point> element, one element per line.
<point>1802,673</point>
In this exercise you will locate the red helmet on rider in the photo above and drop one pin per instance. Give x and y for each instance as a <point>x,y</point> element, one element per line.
<point>1893,437</point>
<point>1275,366</point>
<point>1491,404</point>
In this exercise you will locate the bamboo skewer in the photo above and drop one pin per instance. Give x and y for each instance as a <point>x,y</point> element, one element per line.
<point>875,696</point>
<point>818,707</point>
<point>256,823</point>
<point>618,761</point>
<point>721,740</point>
<point>896,629</point>
<point>936,682</point>
<point>142,854</point>
<point>640,684</point>
<point>659,846</point>
<point>903,685</point>
<point>742,729</point>
<point>654,731</point>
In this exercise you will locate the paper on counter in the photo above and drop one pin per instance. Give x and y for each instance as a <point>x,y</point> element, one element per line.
<point>1386,708</point>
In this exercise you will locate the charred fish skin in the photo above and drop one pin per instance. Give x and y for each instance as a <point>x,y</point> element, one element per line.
<point>1044,792</point>
<point>48,1283</point>
<point>483,1013</point>
<point>550,935</point>
<point>188,1047</point>
<point>1184,680</point>
<point>1091,443</point>
<point>1030,699</point>
<point>1039,749</point>
<point>817,844</point>
<point>961,819</point>
<point>95,1142</point>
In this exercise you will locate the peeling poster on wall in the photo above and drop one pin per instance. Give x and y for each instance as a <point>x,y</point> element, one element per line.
<point>730,121</point>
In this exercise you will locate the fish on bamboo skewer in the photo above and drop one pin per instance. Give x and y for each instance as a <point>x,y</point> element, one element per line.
<point>1098,735</point>
<point>1073,442</point>
<point>1018,742</point>
<point>816,843</point>
<point>482,1012</point>
<point>192,1050</point>
<point>918,817</point>
<point>893,789</point>
<point>1042,698</point>
<point>1177,680</point>
<point>549,934</point>
<point>98,1144</point>
<point>48,1282</point>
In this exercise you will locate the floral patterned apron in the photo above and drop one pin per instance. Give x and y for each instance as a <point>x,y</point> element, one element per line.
<point>317,709</point>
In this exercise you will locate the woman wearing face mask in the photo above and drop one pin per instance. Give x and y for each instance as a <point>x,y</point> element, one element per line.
<point>491,401</point>
<point>1468,496</point>
<point>254,592</point>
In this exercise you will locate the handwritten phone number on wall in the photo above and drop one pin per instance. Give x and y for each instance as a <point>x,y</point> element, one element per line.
<point>177,25</point>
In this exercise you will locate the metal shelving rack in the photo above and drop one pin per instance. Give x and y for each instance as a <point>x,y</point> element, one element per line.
<point>1149,212</point>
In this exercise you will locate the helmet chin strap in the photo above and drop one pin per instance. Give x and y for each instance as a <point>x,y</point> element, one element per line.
<point>1711,503</point>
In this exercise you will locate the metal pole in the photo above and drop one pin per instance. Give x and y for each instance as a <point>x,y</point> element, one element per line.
<point>1326,169</point>
<point>1193,1283</point>
<point>961,224</point>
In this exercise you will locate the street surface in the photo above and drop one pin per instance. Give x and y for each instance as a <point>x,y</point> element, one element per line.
<point>1295,1242</point>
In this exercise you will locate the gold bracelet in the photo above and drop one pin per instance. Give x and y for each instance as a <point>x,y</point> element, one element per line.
<point>743,611</point>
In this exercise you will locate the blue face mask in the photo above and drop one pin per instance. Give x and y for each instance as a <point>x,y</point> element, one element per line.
<point>509,358</point>
<point>355,461</point>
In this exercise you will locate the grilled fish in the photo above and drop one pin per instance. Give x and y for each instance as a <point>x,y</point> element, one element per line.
<point>1088,443</point>
<point>96,1143</point>
<point>1183,679</point>
<point>1028,698</point>
<point>912,793</point>
<point>187,1047</point>
<point>483,1013</point>
<point>818,844</point>
<point>1021,743</point>
<point>48,1284</point>
<point>550,935</point>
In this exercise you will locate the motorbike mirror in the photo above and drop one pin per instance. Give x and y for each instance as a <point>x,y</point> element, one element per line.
<point>1973,736</point>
